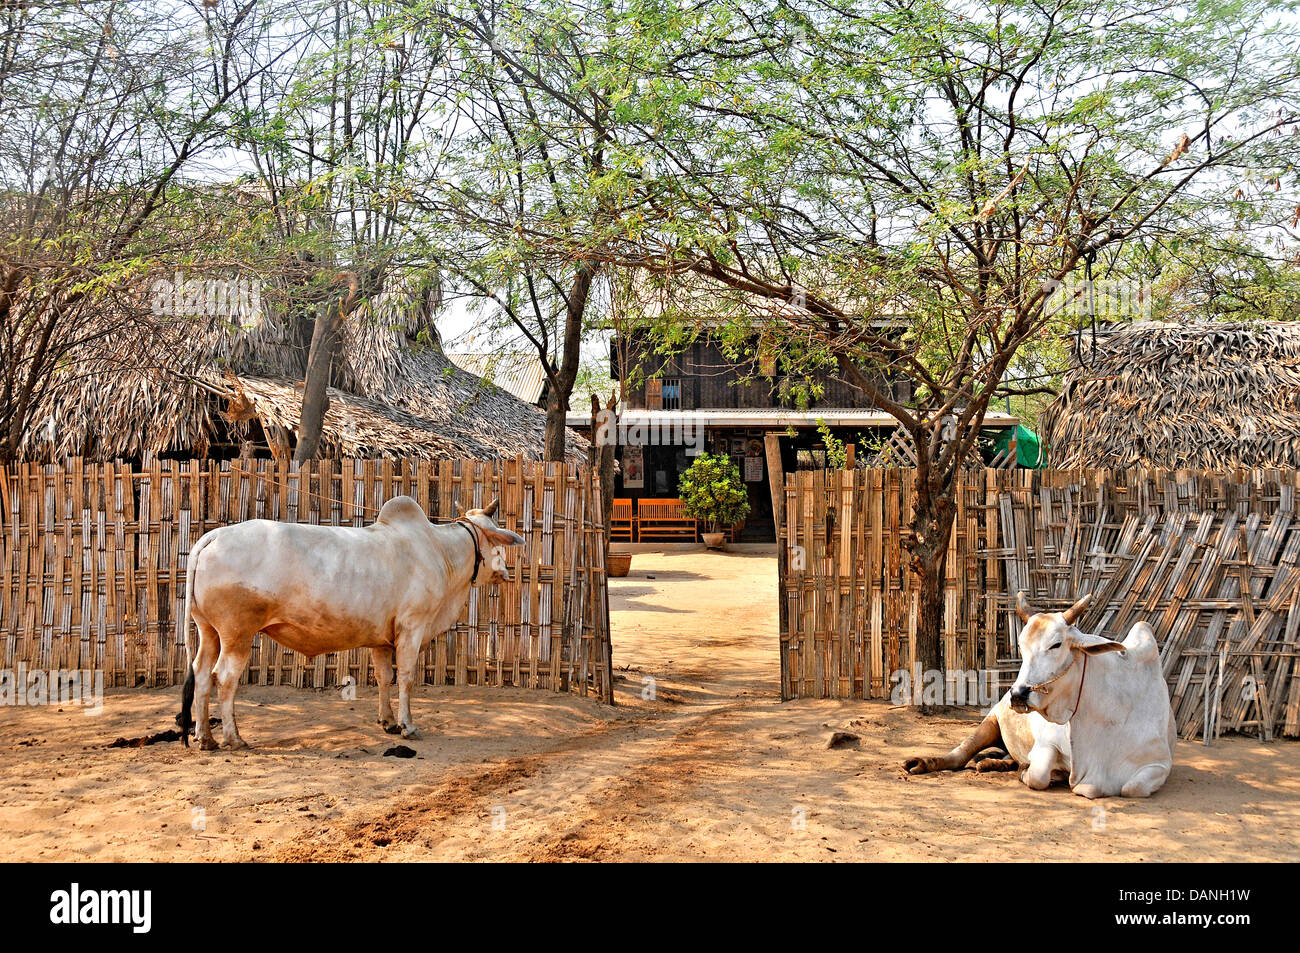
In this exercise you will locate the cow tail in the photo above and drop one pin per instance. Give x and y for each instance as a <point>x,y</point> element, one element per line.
<point>185,720</point>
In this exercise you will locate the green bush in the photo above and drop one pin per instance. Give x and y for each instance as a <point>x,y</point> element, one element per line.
<point>712,491</point>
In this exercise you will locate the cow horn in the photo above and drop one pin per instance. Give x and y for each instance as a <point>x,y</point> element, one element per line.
<point>455,508</point>
<point>1022,607</point>
<point>491,508</point>
<point>1076,610</point>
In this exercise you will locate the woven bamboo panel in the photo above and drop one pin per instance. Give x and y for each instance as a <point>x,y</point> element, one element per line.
<point>1210,560</point>
<point>93,560</point>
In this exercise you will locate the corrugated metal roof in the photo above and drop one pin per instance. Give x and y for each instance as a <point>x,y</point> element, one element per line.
<point>518,373</point>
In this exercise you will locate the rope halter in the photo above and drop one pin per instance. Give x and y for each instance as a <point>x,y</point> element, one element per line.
<point>469,527</point>
<point>1078,697</point>
<point>1042,689</point>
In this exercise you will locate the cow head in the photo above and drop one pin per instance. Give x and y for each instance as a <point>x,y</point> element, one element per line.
<point>493,541</point>
<point>1050,647</point>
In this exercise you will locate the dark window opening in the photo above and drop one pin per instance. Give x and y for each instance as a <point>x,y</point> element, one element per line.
<point>672,393</point>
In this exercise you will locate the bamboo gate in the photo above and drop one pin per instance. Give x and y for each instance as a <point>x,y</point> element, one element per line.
<point>93,560</point>
<point>1210,559</point>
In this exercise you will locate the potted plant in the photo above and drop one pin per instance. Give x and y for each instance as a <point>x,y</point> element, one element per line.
<point>713,493</point>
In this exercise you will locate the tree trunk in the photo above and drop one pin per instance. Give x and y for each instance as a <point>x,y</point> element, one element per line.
<point>557,408</point>
<point>562,381</point>
<point>315,398</point>
<point>932,518</point>
<point>320,358</point>
<point>605,463</point>
<point>39,366</point>
<point>928,567</point>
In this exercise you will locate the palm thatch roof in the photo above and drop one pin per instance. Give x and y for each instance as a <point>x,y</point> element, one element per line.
<point>1204,396</point>
<point>354,426</point>
<point>184,384</point>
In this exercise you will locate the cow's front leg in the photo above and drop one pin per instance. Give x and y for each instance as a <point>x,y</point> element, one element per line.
<point>1042,759</point>
<point>230,665</point>
<point>408,654</point>
<point>384,673</point>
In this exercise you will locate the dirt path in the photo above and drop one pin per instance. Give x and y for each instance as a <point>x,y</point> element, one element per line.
<point>698,760</point>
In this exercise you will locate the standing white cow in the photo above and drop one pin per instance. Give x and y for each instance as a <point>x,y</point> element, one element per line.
<point>390,587</point>
<point>1082,705</point>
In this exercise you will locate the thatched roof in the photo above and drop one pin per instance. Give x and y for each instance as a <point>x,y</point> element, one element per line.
<point>354,426</point>
<point>181,385</point>
<point>1204,396</point>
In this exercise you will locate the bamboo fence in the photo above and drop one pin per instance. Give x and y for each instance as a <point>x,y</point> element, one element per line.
<point>1210,559</point>
<point>93,560</point>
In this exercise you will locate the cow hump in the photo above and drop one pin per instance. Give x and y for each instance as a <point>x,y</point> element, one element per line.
<point>1140,643</point>
<point>401,509</point>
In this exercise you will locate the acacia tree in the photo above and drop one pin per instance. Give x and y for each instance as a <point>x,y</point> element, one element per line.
<point>1230,279</point>
<point>105,106</point>
<point>335,140</point>
<point>526,203</point>
<point>950,167</point>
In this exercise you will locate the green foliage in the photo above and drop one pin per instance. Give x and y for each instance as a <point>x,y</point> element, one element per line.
<point>894,185</point>
<point>593,378</point>
<point>712,491</point>
<point>837,456</point>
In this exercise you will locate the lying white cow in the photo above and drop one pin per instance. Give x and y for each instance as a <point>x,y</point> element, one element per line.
<point>390,587</point>
<point>1082,706</point>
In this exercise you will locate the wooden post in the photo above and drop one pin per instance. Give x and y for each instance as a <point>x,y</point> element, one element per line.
<point>776,484</point>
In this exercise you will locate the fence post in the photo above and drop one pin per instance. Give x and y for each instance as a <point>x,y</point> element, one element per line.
<point>776,484</point>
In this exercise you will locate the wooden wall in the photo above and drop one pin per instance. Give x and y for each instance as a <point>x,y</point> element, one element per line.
<point>710,380</point>
<point>93,560</point>
<point>1210,560</point>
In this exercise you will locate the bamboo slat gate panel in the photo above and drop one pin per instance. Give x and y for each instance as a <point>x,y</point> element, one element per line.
<point>93,560</point>
<point>1210,560</point>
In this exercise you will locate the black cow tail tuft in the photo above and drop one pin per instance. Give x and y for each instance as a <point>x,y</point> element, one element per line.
<point>186,718</point>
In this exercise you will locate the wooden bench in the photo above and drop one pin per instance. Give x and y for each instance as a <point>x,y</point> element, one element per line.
<point>622,521</point>
<point>664,519</point>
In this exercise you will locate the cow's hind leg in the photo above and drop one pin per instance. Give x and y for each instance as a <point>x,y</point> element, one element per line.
<point>1146,781</point>
<point>408,654</point>
<point>204,659</point>
<point>986,735</point>
<point>384,673</point>
<point>230,665</point>
<point>997,764</point>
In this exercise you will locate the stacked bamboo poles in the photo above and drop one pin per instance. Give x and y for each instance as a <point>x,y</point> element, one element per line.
<point>1210,560</point>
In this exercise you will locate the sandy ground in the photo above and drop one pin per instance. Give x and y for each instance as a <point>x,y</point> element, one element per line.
<point>702,763</point>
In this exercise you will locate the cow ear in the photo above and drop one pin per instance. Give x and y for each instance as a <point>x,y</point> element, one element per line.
<point>1094,644</point>
<point>501,537</point>
<point>1022,607</point>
